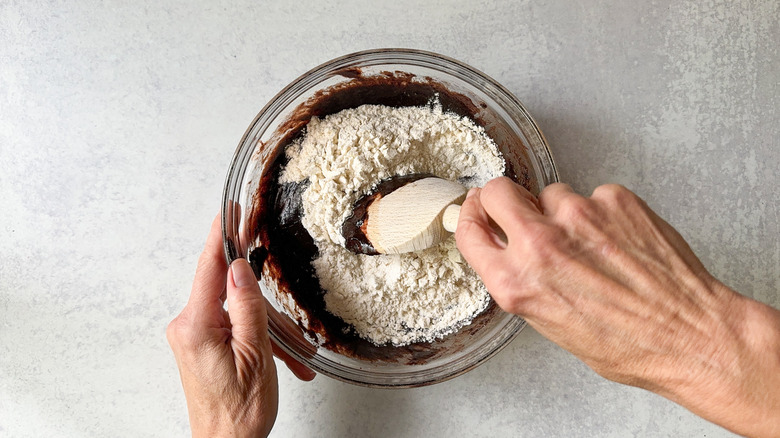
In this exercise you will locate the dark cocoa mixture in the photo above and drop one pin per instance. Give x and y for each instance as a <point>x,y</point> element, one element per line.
<point>284,247</point>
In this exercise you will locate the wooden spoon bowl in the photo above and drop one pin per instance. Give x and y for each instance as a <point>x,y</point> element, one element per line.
<point>404,214</point>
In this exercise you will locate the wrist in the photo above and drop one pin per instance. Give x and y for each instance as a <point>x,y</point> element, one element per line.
<point>229,431</point>
<point>735,386</point>
<point>761,336</point>
<point>208,425</point>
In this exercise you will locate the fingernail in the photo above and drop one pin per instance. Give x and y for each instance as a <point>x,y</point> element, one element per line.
<point>242,273</point>
<point>473,191</point>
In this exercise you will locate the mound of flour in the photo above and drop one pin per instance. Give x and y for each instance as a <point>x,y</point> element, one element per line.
<point>397,299</point>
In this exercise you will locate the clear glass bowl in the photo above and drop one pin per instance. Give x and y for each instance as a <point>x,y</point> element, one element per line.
<point>529,162</point>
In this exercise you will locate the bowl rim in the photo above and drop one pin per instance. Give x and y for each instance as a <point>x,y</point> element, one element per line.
<point>277,103</point>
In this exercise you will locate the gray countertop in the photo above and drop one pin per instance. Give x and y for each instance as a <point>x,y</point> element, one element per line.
<point>118,121</point>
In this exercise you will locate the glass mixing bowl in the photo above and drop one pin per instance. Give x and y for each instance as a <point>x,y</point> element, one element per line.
<point>391,71</point>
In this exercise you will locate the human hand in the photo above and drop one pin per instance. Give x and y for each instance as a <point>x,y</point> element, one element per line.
<point>610,281</point>
<point>224,357</point>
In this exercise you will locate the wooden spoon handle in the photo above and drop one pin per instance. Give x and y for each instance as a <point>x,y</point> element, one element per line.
<point>449,218</point>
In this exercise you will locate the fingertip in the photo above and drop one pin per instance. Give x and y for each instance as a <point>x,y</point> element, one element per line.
<point>303,373</point>
<point>214,239</point>
<point>217,221</point>
<point>243,287</point>
<point>300,370</point>
<point>209,282</point>
<point>242,274</point>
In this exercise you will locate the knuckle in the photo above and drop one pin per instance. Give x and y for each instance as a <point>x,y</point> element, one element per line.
<point>504,280</point>
<point>464,231</point>
<point>467,241</point>
<point>608,190</point>
<point>172,331</point>
<point>615,194</point>
<point>554,194</point>
<point>505,287</point>
<point>516,301</point>
<point>179,333</point>
<point>507,301</point>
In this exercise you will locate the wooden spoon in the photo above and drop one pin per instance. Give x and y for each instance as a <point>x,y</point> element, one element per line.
<point>412,217</point>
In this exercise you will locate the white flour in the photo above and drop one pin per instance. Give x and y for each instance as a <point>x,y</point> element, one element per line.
<point>398,299</point>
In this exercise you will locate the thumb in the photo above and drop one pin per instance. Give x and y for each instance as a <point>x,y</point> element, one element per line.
<point>246,306</point>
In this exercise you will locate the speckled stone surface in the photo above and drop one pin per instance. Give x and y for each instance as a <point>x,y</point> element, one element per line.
<point>118,121</point>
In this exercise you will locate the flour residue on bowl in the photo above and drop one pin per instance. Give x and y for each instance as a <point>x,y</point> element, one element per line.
<point>390,299</point>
